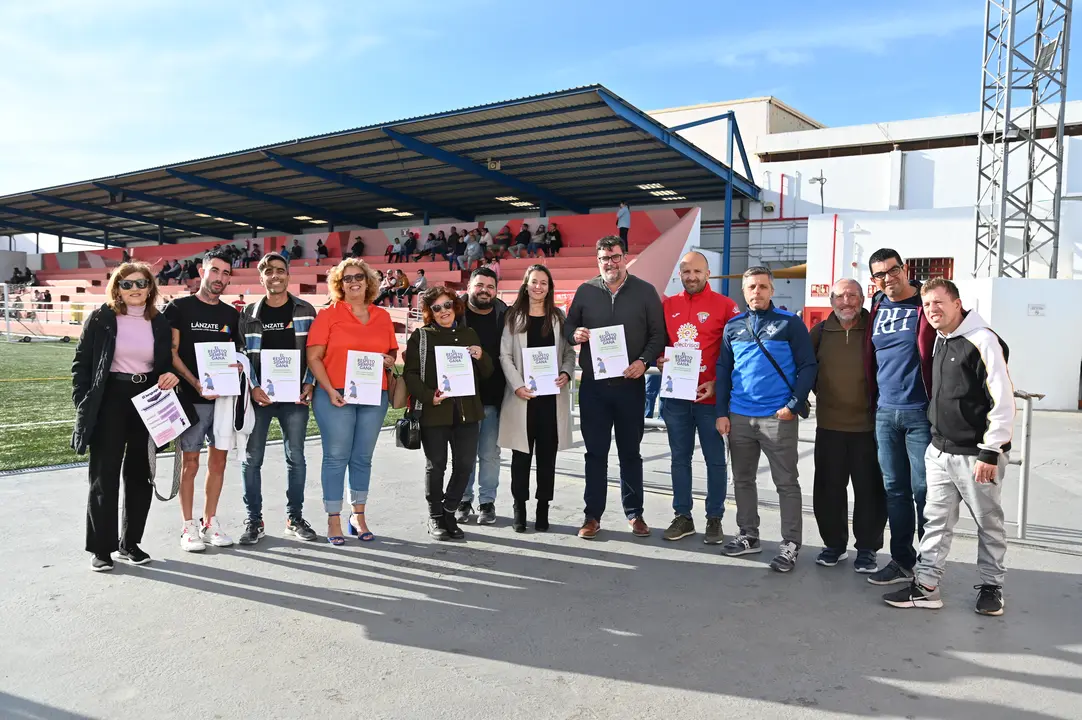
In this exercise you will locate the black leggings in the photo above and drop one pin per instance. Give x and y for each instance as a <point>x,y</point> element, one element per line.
<point>543,438</point>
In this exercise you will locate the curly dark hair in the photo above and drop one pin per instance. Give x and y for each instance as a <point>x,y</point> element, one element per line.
<point>429,298</point>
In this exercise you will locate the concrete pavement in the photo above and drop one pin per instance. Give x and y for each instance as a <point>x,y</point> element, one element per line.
<point>509,625</point>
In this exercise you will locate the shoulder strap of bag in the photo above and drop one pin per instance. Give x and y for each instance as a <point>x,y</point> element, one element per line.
<point>424,361</point>
<point>781,373</point>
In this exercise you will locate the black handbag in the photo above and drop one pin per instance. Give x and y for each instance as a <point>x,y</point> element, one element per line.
<point>407,429</point>
<point>804,410</point>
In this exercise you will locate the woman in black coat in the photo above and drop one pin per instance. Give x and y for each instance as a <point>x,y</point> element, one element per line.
<point>125,349</point>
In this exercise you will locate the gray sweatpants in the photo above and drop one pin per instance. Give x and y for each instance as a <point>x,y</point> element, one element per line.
<point>950,483</point>
<point>748,436</point>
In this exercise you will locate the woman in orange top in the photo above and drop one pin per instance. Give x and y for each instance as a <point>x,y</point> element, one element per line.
<point>349,428</point>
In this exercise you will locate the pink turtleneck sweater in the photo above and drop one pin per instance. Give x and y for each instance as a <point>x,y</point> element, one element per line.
<point>134,343</point>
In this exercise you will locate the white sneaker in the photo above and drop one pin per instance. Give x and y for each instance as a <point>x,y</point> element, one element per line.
<point>212,534</point>
<point>189,538</point>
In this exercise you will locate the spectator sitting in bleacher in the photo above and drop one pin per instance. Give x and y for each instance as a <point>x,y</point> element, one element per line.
<point>555,240</point>
<point>28,277</point>
<point>457,249</point>
<point>473,252</point>
<point>394,250</point>
<point>521,241</point>
<point>502,241</point>
<point>409,245</point>
<point>537,245</point>
<point>357,249</point>
<point>485,240</point>
<point>191,271</point>
<point>16,277</point>
<point>430,247</point>
<point>493,264</point>
<point>321,251</point>
<point>417,288</point>
<point>296,252</point>
<point>387,287</point>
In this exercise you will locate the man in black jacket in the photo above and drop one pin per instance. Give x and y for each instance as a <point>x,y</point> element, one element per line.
<point>972,415</point>
<point>484,313</point>
<point>615,297</point>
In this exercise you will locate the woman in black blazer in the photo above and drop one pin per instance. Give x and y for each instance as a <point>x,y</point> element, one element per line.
<point>125,349</point>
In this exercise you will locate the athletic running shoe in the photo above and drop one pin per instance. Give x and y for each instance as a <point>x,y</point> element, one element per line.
<point>915,595</point>
<point>134,555</point>
<point>742,545</point>
<point>830,557</point>
<point>212,534</point>
<point>190,540</point>
<point>891,574</point>
<point>463,513</point>
<point>989,599</point>
<point>486,514</point>
<point>300,529</point>
<point>101,563</point>
<point>253,531</point>
<point>865,562</point>
<point>785,560</point>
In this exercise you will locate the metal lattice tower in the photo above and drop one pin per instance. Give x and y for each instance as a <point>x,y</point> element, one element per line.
<point>1023,88</point>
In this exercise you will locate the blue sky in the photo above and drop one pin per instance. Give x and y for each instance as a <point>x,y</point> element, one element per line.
<point>98,88</point>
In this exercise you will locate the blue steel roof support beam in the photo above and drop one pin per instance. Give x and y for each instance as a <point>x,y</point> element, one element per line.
<point>310,210</point>
<point>34,229</point>
<point>70,222</point>
<point>470,166</point>
<point>731,117</point>
<point>665,135</point>
<point>123,215</point>
<point>192,207</point>
<point>429,207</point>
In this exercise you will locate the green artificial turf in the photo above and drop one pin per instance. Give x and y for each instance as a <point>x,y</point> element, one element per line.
<point>28,395</point>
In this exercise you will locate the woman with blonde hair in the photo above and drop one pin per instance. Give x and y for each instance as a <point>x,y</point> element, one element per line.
<point>445,421</point>
<point>348,431</point>
<point>125,349</point>
<point>535,419</point>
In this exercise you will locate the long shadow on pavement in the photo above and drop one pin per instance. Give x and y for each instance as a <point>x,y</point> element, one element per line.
<point>818,638</point>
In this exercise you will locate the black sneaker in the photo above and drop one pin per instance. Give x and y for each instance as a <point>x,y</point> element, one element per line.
<point>891,574</point>
<point>914,595</point>
<point>436,529</point>
<point>486,514</point>
<point>101,563</point>
<point>742,545</point>
<point>253,530</point>
<point>989,599</point>
<point>134,555</point>
<point>865,562</point>
<point>300,529</point>
<point>830,557</point>
<point>463,513</point>
<point>785,560</point>
<point>454,532</point>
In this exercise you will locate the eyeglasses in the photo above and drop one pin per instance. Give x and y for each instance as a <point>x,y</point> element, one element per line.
<point>440,307</point>
<point>893,272</point>
<point>610,259</point>
<point>141,283</point>
<point>353,278</point>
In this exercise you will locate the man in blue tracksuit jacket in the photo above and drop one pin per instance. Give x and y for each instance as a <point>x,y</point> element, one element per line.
<point>759,409</point>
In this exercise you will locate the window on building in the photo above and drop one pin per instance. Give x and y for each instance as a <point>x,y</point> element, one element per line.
<point>924,269</point>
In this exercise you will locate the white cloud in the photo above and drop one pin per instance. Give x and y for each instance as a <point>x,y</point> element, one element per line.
<point>799,44</point>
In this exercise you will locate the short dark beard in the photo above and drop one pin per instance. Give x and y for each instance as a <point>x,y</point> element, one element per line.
<point>480,305</point>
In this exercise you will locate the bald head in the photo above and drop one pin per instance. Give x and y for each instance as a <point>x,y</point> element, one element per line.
<point>846,297</point>
<point>694,272</point>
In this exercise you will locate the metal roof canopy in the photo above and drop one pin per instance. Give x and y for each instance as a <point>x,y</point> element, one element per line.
<point>573,150</point>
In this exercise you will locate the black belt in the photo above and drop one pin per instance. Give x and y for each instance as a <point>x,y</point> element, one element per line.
<point>136,379</point>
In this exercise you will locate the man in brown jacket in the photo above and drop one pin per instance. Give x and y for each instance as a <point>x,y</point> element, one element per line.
<point>845,435</point>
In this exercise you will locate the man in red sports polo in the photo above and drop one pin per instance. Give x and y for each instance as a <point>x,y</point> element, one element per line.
<point>695,319</point>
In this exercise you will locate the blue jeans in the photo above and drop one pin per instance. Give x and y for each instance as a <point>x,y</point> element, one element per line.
<point>653,389</point>
<point>683,419</point>
<point>349,440</point>
<point>293,419</point>
<point>903,436</point>
<point>488,457</point>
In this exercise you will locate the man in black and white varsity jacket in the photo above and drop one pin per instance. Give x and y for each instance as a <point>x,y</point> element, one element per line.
<point>972,416</point>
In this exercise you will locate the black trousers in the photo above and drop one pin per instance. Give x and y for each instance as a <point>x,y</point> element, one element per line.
<point>608,408</point>
<point>839,457</point>
<point>119,439</point>
<point>543,437</point>
<point>623,237</point>
<point>462,438</point>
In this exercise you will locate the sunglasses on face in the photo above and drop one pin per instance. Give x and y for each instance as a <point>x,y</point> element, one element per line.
<point>141,283</point>
<point>440,307</point>
<point>353,278</point>
<point>893,272</point>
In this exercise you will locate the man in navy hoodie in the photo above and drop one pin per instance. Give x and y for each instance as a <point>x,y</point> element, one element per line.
<point>766,368</point>
<point>898,351</point>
